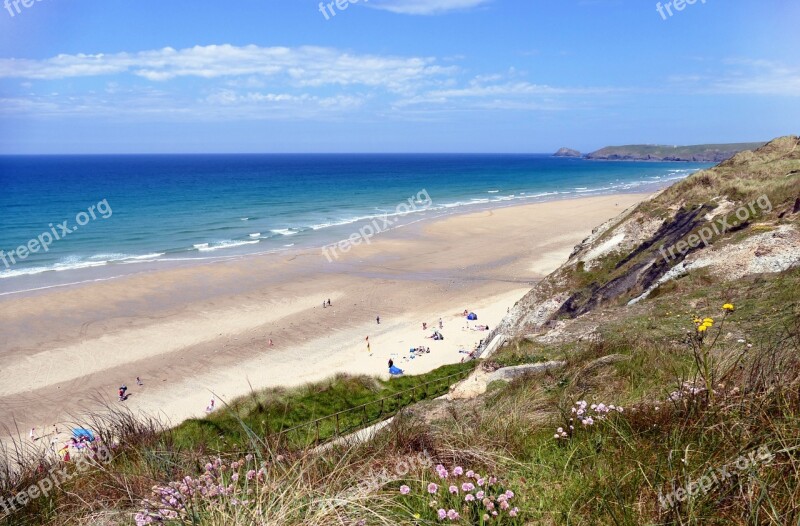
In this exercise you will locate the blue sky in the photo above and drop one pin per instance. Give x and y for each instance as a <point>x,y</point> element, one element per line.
<point>148,76</point>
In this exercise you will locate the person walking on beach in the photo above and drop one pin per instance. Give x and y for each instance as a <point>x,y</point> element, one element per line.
<point>323,304</point>
<point>139,381</point>
<point>441,325</point>
<point>211,405</point>
<point>378,319</point>
<point>329,302</point>
<point>33,434</point>
<point>270,342</point>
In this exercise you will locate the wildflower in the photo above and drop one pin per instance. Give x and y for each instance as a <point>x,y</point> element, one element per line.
<point>480,481</point>
<point>509,494</point>
<point>728,307</point>
<point>479,495</point>
<point>492,480</point>
<point>432,488</point>
<point>469,497</point>
<point>467,486</point>
<point>405,490</point>
<point>453,515</point>
<point>442,514</point>
<point>458,471</point>
<point>251,474</point>
<point>453,490</point>
<point>513,512</point>
<point>470,474</point>
<point>504,505</point>
<point>702,328</point>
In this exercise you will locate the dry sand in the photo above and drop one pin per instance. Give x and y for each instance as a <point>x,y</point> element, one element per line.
<point>201,331</point>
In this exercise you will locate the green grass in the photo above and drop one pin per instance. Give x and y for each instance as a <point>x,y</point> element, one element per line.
<point>262,415</point>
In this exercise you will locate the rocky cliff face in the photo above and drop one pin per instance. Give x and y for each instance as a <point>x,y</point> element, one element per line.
<point>736,219</point>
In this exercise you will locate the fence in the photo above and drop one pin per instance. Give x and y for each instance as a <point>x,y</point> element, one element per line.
<point>316,432</point>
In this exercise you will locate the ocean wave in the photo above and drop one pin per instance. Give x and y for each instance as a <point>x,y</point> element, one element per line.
<point>223,245</point>
<point>285,231</point>
<point>255,235</point>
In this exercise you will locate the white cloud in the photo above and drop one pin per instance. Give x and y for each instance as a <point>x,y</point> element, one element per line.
<point>301,66</point>
<point>426,7</point>
<point>744,77</point>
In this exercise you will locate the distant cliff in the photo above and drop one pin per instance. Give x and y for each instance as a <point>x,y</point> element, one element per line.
<point>712,153</point>
<point>567,152</point>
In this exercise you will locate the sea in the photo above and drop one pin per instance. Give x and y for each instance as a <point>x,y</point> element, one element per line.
<point>74,219</point>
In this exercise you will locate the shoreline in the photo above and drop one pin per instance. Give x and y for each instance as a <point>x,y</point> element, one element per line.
<point>190,332</point>
<point>44,280</point>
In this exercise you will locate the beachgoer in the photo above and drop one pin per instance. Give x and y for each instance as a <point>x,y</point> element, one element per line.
<point>378,319</point>
<point>33,433</point>
<point>424,326</point>
<point>138,381</point>
<point>270,342</point>
<point>391,363</point>
<point>323,304</point>
<point>211,405</point>
<point>329,302</point>
<point>441,325</point>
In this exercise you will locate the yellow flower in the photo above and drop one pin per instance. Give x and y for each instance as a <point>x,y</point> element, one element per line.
<point>702,328</point>
<point>709,321</point>
<point>728,307</point>
<point>698,320</point>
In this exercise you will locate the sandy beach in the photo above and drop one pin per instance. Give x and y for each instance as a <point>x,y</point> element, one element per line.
<point>201,331</point>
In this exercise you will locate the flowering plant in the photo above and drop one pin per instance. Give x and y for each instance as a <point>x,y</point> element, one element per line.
<point>221,485</point>
<point>465,497</point>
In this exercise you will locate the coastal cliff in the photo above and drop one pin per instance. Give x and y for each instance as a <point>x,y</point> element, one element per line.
<point>712,153</point>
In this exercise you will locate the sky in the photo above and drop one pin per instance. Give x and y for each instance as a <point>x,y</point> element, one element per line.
<point>483,76</point>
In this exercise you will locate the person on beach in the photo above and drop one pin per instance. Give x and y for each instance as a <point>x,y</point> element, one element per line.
<point>329,302</point>
<point>424,326</point>
<point>33,434</point>
<point>270,342</point>
<point>210,406</point>
<point>139,381</point>
<point>391,363</point>
<point>441,325</point>
<point>122,391</point>
<point>323,304</point>
<point>378,319</point>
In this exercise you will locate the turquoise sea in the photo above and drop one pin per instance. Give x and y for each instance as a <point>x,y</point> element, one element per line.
<point>127,213</point>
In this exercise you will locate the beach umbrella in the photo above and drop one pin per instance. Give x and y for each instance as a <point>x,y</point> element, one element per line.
<point>79,432</point>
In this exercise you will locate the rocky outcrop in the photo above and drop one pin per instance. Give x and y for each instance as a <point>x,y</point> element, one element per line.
<point>567,152</point>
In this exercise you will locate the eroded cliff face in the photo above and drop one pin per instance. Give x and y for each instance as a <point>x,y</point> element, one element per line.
<point>740,218</point>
